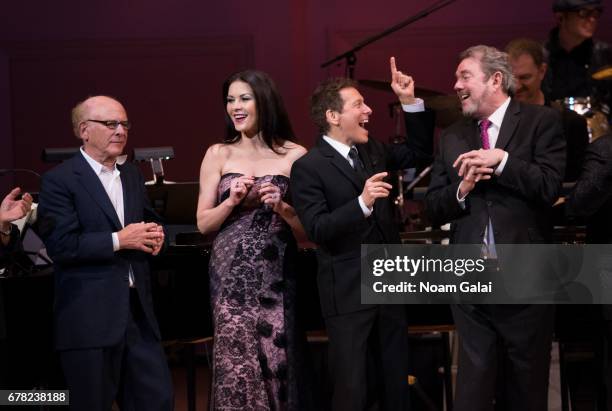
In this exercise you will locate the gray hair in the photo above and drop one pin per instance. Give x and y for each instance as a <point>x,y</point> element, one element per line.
<point>492,61</point>
<point>78,116</point>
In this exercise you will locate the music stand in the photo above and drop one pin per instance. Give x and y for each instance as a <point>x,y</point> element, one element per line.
<point>155,155</point>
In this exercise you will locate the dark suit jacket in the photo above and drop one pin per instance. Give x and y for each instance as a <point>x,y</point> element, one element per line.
<point>577,139</point>
<point>76,219</point>
<point>325,189</point>
<point>519,201</point>
<point>591,197</point>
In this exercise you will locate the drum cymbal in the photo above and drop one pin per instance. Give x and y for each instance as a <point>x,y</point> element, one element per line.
<point>438,103</point>
<point>385,85</point>
<point>603,74</point>
<point>447,108</point>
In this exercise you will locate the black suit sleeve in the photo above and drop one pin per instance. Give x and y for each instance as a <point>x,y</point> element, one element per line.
<point>60,228</point>
<point>441,202</point>
<point>539,179</point>
<point>594,186</point>
<point>322,226</point>
<point>418,148</point>
<point>577,138</point>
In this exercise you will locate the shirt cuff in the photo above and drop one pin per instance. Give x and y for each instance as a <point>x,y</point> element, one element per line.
<point>501,165</point>
<point>460,200</point>
<point>115,242</point>
<point>366,211</point>
<point>416,107</point>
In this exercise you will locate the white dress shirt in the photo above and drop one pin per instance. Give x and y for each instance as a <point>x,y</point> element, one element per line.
<point>496,121</point>
<point>489,250</point>
<point>344,150</point>
<point>111,181</point>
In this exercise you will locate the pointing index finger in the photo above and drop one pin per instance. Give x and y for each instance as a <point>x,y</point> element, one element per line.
<point>378,177</point>
<point>393,66</point>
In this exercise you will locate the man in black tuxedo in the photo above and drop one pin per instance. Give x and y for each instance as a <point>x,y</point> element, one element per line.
<point>342,200</point>
<point>99,229</point>
<point>495,177</point>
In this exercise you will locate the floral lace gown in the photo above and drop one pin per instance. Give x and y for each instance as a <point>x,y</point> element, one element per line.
<point>253,298</point>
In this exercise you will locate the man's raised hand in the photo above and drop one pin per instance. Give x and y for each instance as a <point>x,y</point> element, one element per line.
<point>402,84</point>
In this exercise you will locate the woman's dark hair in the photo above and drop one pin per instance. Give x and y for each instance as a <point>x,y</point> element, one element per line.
<point>272,118</point>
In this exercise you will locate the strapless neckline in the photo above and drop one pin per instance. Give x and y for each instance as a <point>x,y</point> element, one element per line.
<point>259,177</point>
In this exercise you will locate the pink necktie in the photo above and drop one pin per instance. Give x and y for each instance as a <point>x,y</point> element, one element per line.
<point>484,133</point>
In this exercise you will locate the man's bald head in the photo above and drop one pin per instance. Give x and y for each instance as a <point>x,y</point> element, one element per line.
<point>84,110</point>
<point>102,124</point>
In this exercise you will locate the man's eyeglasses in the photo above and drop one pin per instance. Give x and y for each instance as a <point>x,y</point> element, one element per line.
<point>113,124</point>
<point>588,13</point>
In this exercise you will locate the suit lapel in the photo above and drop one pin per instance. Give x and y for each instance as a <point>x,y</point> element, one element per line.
<point>92,184</point>
<point>369,161</point>
<point>474,141</point>
<point>339,162</point>
<point>509,124</point>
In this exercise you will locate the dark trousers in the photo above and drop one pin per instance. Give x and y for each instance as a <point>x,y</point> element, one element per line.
<point>134,372</point>
<point>504,356</point>
<point>382,332</point>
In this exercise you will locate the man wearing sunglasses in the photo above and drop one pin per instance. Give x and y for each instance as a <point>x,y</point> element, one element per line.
<point>99,229</point>
<point>574,55</point>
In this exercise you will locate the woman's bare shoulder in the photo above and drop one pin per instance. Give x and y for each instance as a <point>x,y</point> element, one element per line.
<point>294,150</point>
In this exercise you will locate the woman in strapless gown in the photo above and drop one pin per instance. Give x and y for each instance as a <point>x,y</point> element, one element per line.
<point>257,364</point>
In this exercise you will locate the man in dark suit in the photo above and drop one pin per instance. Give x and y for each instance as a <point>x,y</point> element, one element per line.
<point>591,199</point>
<point>99,229</point>
<point>529,67</point>
<point>342,200</point>
<point>495,178</point>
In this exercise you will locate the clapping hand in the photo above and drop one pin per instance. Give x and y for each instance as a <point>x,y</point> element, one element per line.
<point>159,240</point>
<point>270,194</point>
<point>12,209</point>
<point>483,160</point>
<point>147,237</point>
<point>239,187</point>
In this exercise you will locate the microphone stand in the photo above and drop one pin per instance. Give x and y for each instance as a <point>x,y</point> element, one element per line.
<point>5,171</point>
<point>351,58</point>
<point>418,178</point>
